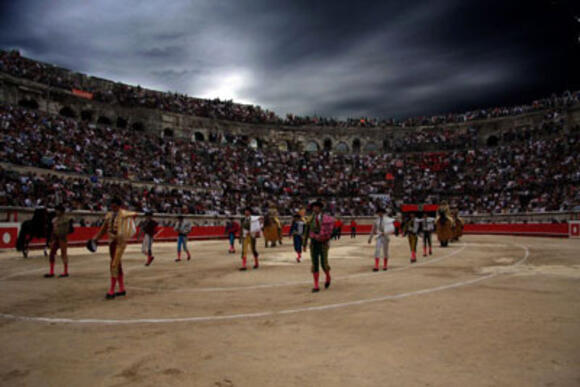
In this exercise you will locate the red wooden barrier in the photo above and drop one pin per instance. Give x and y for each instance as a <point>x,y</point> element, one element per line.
<point>530,229</point>
<point>8,232</point>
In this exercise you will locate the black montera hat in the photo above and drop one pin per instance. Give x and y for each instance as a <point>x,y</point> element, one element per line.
<point>317,203</point>
<point>116,201</point>
<point>91,245</point>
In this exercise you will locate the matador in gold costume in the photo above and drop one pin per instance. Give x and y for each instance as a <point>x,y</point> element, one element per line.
<point>119,225</point>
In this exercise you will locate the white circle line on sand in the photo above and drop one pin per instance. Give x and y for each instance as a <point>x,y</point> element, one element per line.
<point>260,314</point>
<point>293,283</point>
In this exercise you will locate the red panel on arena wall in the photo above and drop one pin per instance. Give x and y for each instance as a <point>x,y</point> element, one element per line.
<point>415,207</point>
<point>8,237</point>
<point>531,229</point>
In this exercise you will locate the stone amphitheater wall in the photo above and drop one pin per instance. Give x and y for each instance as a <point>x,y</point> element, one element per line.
<point>337,139</point>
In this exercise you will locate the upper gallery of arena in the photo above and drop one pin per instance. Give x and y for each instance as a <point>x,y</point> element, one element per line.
<point>119,94</point>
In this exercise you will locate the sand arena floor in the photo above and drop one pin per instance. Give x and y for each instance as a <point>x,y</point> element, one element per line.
<point>486,311</point>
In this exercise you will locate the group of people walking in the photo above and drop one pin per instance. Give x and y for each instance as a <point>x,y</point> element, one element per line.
<point>314,231</point>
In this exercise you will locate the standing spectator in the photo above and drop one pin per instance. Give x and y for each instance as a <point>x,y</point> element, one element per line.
<point>337,231</point>
<point>353,229</point>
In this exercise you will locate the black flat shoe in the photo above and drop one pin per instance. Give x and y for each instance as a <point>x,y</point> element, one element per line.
<point>63,275</point>
<point>123,293</point>
<point>376,269</point>
<point>48,275</point>
<point>385,269</point>
<point>326,285</point>
<point>256,266</point>
<point>109,296</point>
<point>243,268</point>
<point>315,290</point>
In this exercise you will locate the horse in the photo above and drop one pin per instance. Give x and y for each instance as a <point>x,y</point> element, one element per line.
<point>457,228</point>
<point>272,231</point>
<point>39,227</point>
<point>444,227</point>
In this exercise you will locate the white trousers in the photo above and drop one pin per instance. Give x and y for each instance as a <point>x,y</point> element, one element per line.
<point>382,245</point>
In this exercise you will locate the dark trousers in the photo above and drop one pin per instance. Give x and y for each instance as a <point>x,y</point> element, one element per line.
<point>319,256</point>
<point>297,243</point>
<point>427,239</point>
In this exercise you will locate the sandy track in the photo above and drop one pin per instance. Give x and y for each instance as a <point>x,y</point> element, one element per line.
<point>486,311</point>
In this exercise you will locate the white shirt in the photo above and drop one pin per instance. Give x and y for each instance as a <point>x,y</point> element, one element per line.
<point>384,225</point>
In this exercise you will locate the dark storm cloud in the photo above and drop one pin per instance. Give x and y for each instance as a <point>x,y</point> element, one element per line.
<point>332,58</point>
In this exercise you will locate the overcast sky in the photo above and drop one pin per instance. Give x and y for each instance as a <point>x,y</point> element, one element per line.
<point>332,58</point>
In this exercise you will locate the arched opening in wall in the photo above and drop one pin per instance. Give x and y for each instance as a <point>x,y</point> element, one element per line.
<point>121,123</point>
<point>386,144</point>
<point>342,147</point>
<point>356,145</point>
<point>67,112</point>
<point>167,132</point>
<point>138,126</point>
<point>492,141</point>
<point>328,144</point>
<point>253,143</point>
<point>104,120</point>
<point>86,115</point>
<point>198,136</point>
<point>28,103</point>
<point>228,138</point>
<point>213,137</point>
<point>311,146</point>
<point>283,146</point>
<point>371,147</point>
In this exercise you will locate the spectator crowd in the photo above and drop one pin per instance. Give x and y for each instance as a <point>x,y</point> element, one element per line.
<point>533,169</point>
